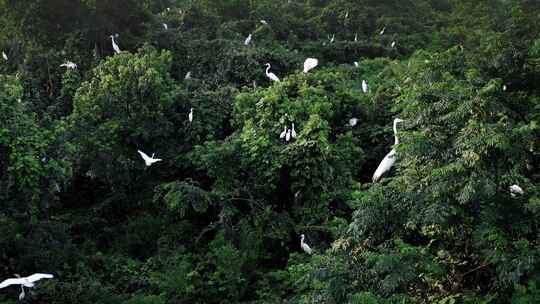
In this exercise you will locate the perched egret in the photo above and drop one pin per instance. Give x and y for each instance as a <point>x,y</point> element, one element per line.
<point>4,55</point>
<point>382,31</point>
<point>25,282</point>
<point>168,9</point>
<point>188,75</point>
<point>504,87</point>
<point>114,45</point>
<point>147,159</point>
<point>69,65</point>
<point>393,44</point>
<point>248,40</point>
<point>282,135</point>
<point>356,63</point>
<point>347,15</point>
<point>305,246</point>
<point>264,22</point>
<point>288,135</point>
<point>190,116</point>
<point>355,37</point>
<point>293,132</point>
<point>332,39</point>
<point>272,76</point>
<point>389,160</point>
<point>364,86</point>
<point>515,190</point>
<point>309,64</point>
<point>165,26</point>
<point>353,121</point>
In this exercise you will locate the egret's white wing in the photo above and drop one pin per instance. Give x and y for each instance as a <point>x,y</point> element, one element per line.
<point>273,77</point>
<point>8,282</point>
<point>144,156</point>
<point>385,165</point>
<point>306,248</point>
<point>38,276</point>
<point>309,64</point>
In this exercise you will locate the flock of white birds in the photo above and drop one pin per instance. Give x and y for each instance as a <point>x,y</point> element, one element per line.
<point>287,134</point>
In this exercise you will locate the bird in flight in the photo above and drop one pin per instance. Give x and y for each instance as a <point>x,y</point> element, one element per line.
<point>28,282</point>
<point>147,159</point>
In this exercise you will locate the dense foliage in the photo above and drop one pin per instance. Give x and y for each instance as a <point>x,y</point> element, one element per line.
<point>219,219</point>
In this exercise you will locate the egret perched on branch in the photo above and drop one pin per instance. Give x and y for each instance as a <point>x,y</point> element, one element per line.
<point>356,63</point>
<point>355,37</point>
<point>504,87</point>
<point>393,44</point>
<point>114,45</point>
<point>282,135</point>
<point>515,190</point>
<point>364,86</point>
<point>272,76</point>
<point>288,135</point>
<point>4,55</point>
<point>248,40</point>
<point>382,31</point>
<point>188,75</point>
<point>264,22</point>
<point>389,160</point>
<point>293,132</point>
<point>165,26</point>
<point>190,115</point>
<point>147,159</point>
<point>332,39</point>
<point>305,246</point>
<point>353,121</point>
<point>69,65</point>
<point>25,282</point>
<point>309,64</point>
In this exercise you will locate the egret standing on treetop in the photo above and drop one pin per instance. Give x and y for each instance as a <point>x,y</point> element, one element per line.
<point>309,64</point>
<point>4,55</point>
<point>515,189</point>
<point>248,40</point>
<point>25,282</point>
<point>165,26</point>
<point>190,115</point>
<point>356,63</point>
<point>364,86</point>
<point>69,65</point>
<point>293,132</point>
<point>114,45</point>
<point>272,76</point>
<point>147,159</point>
<point>393,44</point>
<point>389,160</point>
<point>305,246</point>
<point>382,31</point>
<point>353,121</point>
<point>282,135</point>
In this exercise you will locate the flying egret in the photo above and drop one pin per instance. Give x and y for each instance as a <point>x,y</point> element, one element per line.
<point>288,135</point>
<point>356,63</point>
<point>147,159</point>
<point>114,45</point>
<point>393,44</point>
<point>69,65</point>
<point>515,190</point>
<point>353,121</point>
<point>190,116</point>
<point>25,282</point>
<point>248,40</point>
<point>4,55</point>
<point>282,135</point>
<point>165,26</point>
<point>305,246</point>
<point>364,86</point>
<point>382,31</point>
<point>272,76</point>
<point>389,160</point>
<point>293,132</point>
<point>309,64</point>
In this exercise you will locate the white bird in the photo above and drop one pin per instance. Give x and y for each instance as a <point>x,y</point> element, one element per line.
<point>188,75</point>
<point>356,63</point>
<point>347,15</point>
<point>282,135</point>
<point>382,31</point>
<point>515,190</point>
<point>355,37</point>
<point>190,116</point>
<point>288,135</point>
<point>389,160</point>
<point>309,64</point>
<point>332,39</point>
<point>147,159</point>
<point>393,44</point>
<point>504,87</point>
<point>364,86</point>
<point>248,40</point>
<point>353,121</point>
<point>272,76</point>
<point>293,132</point>
<point>4,55</point>
<point>168,9</point>
<point>165,26</point>
<point>305,246</point>
<point>114,45</point>
<point>25,282</point>
<point>69,65</point>
<point>264,22</point>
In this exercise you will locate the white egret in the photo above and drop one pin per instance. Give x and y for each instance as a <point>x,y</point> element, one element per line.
<point>188,75</point>
<point>293,132</point>
<point>353,121</point>
<point>355,37</point>
<point>504,87</point>
<point>165,26</point>
<point>356,63</point>
<point>168,9</point>
<point>114,45</point>
<point>4,55</point>
<point>393,44</point>
<point>282,135</point>
<point>272,76</point>
<point>515,190</point>
<point>389,160</point>
<point>382,31</point>
<point>332,39</point>
<point>264,22</point>
<point>147,159</point>
<point>69,65</point>
<point>305,246</point>
<point>190,116</point>
<point>309,64</point>
<point>364,86</point>
<point>347,15</point>
<point>288,135</point>
<point>248,40</point>
<point>28,282</point>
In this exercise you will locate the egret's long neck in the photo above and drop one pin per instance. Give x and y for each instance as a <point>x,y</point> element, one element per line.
<point>267,69</point>
<point>395,133</point>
